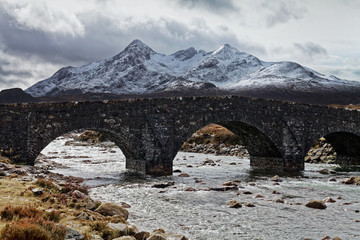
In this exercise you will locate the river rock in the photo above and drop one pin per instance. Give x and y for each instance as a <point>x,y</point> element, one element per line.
<point>125,205</point>
<point>96,237</point>
<point>276,178</point>
<point>85,216</point>
<point>249,204</point>
<point>329,199</point>
<point>208,161</point>
<point>125,238</point>
<point>172,236</point>
<point>110,209</point>
<point>79,195</point>
<point>353,181</point>
<point>317,204</point>
<point>120,228</point>
<point>324,171</point>
<point>157,236</point>
<point>184,175</point>
<point>73,234</point>
<point>234,204</point>
<point>163,185</point>
<point>38,191</point>
<point>230,183</point>
<point>159,230</point>
<point>142,235</point>
<point>132,230</point>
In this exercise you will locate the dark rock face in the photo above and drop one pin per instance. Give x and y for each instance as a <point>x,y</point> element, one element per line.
<point>15,95</point>
<point>150,132</point>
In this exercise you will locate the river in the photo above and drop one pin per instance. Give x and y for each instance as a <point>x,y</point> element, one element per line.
<point>189,208</point>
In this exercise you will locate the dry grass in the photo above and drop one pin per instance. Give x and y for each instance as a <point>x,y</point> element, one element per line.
<point>33,229</point>
<point>350,106</point>
<point>18,212</point>
<point>213,134</point>
<point>15,199</point>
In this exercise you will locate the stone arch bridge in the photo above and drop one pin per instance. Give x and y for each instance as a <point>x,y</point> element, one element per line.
<point>151,131</point>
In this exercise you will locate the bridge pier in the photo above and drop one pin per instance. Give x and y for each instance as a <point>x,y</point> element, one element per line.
<point>277,164</point>
<point>266,163</point>
<point>138,166</point>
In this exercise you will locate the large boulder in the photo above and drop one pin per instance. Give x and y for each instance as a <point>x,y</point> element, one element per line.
<point>110,209</point>
<point>318,204</point>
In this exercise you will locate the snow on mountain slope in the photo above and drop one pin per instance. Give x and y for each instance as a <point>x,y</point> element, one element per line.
<point>140,70</point>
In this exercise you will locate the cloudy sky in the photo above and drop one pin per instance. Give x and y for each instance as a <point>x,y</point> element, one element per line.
<point>37,37</point>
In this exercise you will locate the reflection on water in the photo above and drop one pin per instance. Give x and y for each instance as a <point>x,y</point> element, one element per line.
<point>190,208</point>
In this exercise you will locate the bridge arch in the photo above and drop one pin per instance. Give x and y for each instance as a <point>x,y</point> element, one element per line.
<point>347,147</point>
<point>345,144</point>
<point>132,157</point>
<point>263,150</point>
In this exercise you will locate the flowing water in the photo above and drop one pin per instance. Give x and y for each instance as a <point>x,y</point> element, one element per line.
<point>189,208</point>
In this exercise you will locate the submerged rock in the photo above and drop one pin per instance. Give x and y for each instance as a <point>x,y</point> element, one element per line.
<point>163,185</point>
<point>249,204</point>
<point>317,204</point>
<point>234,204</point>
<point>184,175</point>
<point>324,171</point>
<point>329,199</point>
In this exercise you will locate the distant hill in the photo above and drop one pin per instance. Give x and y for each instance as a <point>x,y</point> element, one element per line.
<point>15,95</point>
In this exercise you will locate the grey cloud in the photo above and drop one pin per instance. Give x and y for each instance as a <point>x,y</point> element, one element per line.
<point>103,39</point>
<point>311,49</point>
<point>11,83</point>
<point>14,73</point>
<point>282,11</point>
<point>216,6</point>
<point>357,73</point>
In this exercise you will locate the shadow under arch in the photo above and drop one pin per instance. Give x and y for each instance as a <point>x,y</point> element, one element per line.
<point>132,157</point>
<point>264,154</point>
<point>347,147</point>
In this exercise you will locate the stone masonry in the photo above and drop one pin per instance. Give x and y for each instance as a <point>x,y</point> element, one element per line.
<point>150,132</point>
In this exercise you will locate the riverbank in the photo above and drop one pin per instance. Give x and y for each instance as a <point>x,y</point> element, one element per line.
<point>38,204</point>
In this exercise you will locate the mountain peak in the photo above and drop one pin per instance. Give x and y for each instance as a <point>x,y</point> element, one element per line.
<point>225,52</point>
<point>138,44</point>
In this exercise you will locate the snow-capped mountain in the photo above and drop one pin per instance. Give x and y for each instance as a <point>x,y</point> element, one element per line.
<point>140,70</point>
